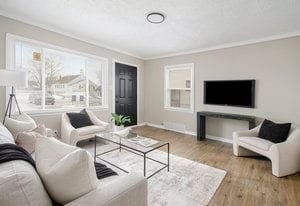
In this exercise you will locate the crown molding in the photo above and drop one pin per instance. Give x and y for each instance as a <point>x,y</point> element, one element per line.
<point>194,51</point>
<point>68,34</point>
<point>229,45</point>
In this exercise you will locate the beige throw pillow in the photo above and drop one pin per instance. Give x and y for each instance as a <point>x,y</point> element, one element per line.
<point>68,172</point>
<point>27,139</point>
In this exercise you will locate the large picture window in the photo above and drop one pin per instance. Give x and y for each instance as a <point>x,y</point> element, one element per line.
<point>179,87</point>
<point>58,79</point>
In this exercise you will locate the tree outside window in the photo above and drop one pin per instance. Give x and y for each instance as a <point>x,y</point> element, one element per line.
<point>57,79</point>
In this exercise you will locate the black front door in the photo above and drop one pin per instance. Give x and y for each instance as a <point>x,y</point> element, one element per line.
<point>126,91</point>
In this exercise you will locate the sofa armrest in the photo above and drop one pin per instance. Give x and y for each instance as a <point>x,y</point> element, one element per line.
<point>96,120</point>
<point>68,132</point>
<point>247,133</point>
<point>286,151</point>
<point>129,190</point>
<point>237,151</point>
<point>285,156</point>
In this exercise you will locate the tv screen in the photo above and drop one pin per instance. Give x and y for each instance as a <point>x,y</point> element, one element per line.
<point>240,93</point>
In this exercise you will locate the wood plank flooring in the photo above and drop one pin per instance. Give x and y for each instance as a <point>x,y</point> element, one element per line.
<point>248,181</point>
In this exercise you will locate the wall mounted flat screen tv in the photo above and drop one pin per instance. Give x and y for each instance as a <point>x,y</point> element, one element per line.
<point>239,93</point>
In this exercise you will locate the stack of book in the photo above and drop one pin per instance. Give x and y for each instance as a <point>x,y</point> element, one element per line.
<point>143,141</point>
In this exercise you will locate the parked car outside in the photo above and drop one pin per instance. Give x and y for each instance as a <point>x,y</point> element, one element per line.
<point>37,99</point>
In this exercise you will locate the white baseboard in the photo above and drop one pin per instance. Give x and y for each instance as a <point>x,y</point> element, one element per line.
<point>138,125</point>
<point>221,139</point>
<point>155,125</point>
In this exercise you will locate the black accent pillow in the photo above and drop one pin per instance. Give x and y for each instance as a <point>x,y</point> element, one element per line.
<point>274,132</point>
<point>80,119</point>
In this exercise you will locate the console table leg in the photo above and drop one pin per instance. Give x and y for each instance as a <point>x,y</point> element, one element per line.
<point>168,157</point>
<point>201,127</point>
<point>144,165</point>
<point>95,148</point>
<point>251,124</point>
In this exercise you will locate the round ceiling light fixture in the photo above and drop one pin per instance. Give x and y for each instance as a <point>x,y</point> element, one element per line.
<point>155,17</point>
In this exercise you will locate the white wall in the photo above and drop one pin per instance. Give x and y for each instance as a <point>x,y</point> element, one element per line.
<point>18,28</point>
<point>275,65</point>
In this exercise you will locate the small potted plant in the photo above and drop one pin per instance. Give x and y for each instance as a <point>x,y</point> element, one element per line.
<point>119,121</point>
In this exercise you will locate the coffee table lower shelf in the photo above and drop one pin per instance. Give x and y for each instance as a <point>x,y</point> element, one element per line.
<point>134,151</point>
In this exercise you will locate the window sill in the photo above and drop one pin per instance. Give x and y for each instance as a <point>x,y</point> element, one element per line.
<point>60,111</point>
<point>177,109</point>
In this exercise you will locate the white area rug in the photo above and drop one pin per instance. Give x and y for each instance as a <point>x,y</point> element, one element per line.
<point>188,183</point>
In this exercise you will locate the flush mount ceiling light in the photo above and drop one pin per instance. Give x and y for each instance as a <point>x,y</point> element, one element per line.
<point>155,17</point>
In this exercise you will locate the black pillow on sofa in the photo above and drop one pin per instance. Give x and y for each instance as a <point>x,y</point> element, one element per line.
<point>80,119</point>
<point>274,132</point>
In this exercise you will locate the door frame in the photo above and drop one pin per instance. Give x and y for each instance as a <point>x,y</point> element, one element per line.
<point>138,86</point>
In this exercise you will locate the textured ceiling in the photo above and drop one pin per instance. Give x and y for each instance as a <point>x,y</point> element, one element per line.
<point>191,25</point>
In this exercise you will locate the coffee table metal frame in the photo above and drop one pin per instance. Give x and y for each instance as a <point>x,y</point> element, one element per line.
<point>134,151</point>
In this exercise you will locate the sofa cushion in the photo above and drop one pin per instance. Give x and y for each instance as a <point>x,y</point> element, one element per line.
<point>21,185</point>
<point>68,172</point>
<point>257,142</point>
<point>89,130</point>
<point>19,123</point>
<point>5,135</point>
<point>274,132</point>
<point>130,189</point>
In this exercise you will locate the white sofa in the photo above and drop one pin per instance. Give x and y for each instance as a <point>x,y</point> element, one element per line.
<point>285,156</point>
<point>21,185</point>
<point>71,136</point>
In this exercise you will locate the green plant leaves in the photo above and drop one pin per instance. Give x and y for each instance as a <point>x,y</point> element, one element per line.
<point>120,119</point>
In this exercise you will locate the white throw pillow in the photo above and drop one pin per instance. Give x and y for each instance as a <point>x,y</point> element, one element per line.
<point>67,172</point>
<point>19,123</point>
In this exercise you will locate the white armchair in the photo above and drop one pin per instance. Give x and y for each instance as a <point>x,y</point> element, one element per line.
<point>71,136</point>
<point>285,156</point>
<point>23,122</point>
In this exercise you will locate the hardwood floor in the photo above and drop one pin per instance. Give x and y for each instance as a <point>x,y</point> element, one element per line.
<point>248,181</point>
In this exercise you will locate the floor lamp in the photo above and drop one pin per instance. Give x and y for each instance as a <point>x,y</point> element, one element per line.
<point>12,78</point>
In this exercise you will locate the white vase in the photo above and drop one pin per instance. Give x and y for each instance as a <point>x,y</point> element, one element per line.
<point>117,128</point>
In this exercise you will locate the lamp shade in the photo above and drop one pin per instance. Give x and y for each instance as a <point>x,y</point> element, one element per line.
<point>13,78</point>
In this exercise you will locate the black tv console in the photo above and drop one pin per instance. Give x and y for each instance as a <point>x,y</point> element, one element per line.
<point>201,119</point>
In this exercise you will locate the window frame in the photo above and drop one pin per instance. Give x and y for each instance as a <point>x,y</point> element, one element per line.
<point>10,60</point>
<point>175,67</point>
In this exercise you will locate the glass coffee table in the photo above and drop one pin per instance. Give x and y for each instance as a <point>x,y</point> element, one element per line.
<point>124,143</point>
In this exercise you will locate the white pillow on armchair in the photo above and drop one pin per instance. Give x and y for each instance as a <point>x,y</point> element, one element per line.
<point>19,123</point>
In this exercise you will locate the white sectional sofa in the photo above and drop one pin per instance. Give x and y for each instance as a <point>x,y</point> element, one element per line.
<point>20,184</point>
<point>285,156</point>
